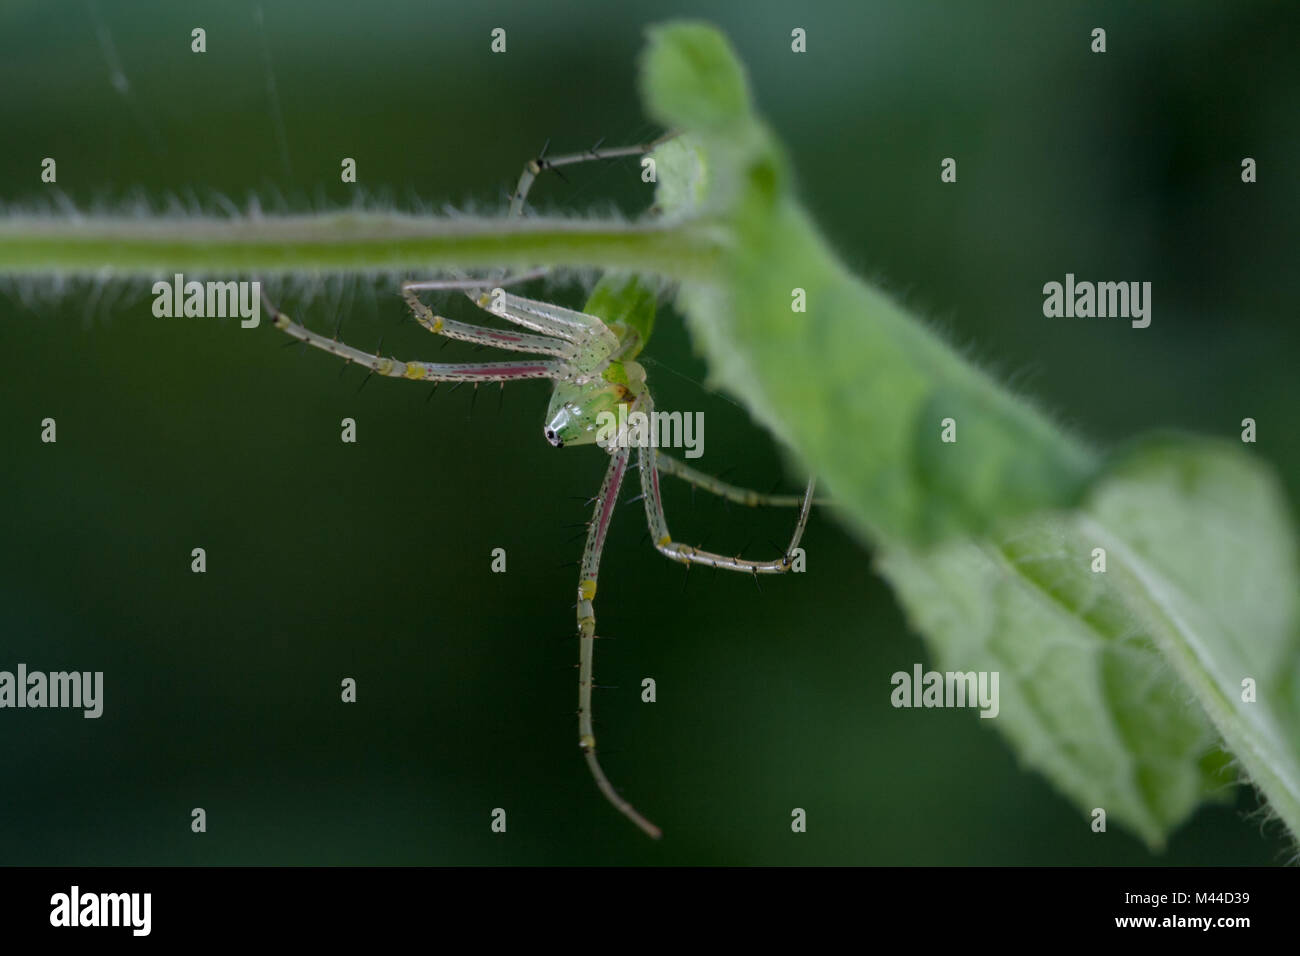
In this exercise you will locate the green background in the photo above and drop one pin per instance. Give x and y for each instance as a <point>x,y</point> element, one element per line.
<point>371,561</point>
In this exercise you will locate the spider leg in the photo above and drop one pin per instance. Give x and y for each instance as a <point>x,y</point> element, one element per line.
<point>535,167</point>
<point>509,340</point>
<point>568,324</point>
<point>647,460</point>
<point>745,496</point>
<point>601,517</point>
<point>588,341</point>
<point>576,328</point>
<point>420,371</point>
<point>578,341</point>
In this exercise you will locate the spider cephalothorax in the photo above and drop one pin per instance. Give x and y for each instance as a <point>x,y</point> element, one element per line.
<point>578,408</point>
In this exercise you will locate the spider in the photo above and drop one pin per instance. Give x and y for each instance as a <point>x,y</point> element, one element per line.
<point>590,357</point>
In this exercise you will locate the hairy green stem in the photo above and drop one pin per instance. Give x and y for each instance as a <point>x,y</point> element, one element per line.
<point>345,242</point>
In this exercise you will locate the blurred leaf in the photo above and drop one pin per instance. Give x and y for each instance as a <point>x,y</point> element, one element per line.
<point>1086,698</point>
<point>1201,572</point>
<point>1200,540</point>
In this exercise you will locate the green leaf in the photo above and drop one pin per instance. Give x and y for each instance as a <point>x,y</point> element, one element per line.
<point>1201,573</point>
<point>691,79</point>
<point>1199,536</point>
<point>1086,697</point>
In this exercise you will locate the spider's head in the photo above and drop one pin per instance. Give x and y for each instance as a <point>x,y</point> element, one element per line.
<point>580,413</point>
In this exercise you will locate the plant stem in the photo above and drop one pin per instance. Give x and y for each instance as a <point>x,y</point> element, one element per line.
<point>345,242</point>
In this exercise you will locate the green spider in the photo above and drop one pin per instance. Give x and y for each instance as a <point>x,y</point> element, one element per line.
<point>590,356</point>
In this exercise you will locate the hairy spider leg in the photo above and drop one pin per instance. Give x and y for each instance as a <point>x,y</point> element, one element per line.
<point>669,465</point>
<point>658,523</point>
<point>421,371</point>
<point>600,521</point>
<point>535,167</point>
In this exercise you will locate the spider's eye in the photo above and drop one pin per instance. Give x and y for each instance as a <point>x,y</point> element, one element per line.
<point>553,438</point>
